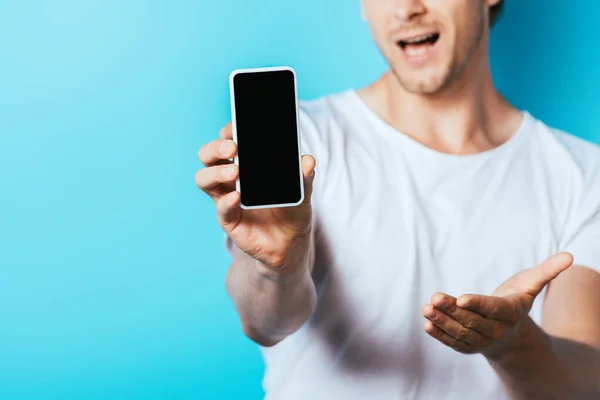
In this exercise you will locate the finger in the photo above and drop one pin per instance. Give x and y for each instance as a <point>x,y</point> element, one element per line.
<point>489,328</point>
<point>229,211</point>
<point>446,339</point>
<point>208,179</point>
<point>308,172</point>
<point>534,279</point>
<point>492,307</point>
<point>227,131</point>
<point>217,151</point>
<point>454,328</point>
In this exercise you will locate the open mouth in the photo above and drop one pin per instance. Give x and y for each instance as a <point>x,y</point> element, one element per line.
<point>419,44</point>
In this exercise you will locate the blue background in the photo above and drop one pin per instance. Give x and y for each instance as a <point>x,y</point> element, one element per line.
<point>112,264</point>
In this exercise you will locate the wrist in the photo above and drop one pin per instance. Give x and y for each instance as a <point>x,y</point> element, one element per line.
<point>288,274</point>
<point>526,339</point>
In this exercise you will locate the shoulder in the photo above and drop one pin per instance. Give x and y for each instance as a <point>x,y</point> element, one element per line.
<point>321,111</point>
<point>570,151</point>
<point>322,124</point>
<point>572,166</point>
<point>585,153</point>
<point>578,160</point>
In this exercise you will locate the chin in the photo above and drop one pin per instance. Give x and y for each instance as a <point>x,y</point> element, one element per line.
<point>423,84</point>
<point>423,87</point>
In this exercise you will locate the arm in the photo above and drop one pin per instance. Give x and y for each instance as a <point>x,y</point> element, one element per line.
<point>560,361</point>
<point>271,304</point>
<point>269,280</point>
<point>562,358</point>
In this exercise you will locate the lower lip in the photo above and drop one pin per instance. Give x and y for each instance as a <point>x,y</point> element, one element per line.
<point>421,55</point>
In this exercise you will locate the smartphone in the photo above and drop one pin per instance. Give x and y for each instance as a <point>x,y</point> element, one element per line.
<point>264,110</point>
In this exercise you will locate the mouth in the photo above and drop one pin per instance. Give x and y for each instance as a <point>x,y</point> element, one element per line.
<point>418,47</point>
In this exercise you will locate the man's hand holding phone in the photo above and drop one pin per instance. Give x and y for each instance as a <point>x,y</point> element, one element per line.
<point>277,237</point>
<point>262,188</point>
<point>269,280</point>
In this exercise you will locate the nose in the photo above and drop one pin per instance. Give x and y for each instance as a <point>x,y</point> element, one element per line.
<point>406,10</point>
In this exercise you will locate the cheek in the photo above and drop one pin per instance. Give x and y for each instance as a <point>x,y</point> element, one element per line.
<point>380,34</point>
<point>468,20</point>
<point>468,33</point>
<point>459,18</point>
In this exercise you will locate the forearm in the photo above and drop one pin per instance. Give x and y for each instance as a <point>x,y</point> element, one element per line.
<point>541,366</point>
<point>271,305</point>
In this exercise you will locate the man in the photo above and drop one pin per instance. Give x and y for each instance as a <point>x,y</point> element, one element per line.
<point>448,247</point>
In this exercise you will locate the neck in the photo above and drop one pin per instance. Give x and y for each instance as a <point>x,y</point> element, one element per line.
<point>468,116</point>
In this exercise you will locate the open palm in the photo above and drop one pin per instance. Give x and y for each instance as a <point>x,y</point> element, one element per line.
<point>475,323</point>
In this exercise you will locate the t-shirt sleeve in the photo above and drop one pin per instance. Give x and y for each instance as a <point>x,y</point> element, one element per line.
<point>582,231</point>
<point>314,120</point>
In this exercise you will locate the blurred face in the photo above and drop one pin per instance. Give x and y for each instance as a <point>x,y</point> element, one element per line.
<point>427,43</point>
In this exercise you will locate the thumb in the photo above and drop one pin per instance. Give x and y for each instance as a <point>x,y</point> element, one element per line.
<point>534,279</point>
<point>308,172</point>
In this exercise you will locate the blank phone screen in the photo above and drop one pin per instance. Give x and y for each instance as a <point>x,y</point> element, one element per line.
<point>267,137</point>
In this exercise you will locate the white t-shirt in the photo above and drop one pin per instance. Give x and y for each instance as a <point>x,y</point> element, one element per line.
<point>396,222</point>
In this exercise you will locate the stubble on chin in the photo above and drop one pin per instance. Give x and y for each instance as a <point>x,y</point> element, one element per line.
<point>425,85</point>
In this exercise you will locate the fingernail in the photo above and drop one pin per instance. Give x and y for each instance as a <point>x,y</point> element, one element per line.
<point>231,198</point>
<point>227,171</point>
<point>225,146</point>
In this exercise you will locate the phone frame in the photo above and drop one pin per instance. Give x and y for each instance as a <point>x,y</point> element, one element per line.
<point>234,130</point>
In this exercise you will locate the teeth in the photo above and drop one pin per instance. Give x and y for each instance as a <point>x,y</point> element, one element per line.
<point>416,52</point>
<point>419,39</point>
